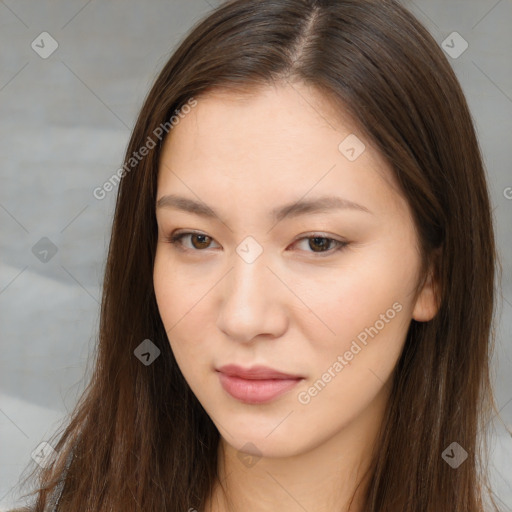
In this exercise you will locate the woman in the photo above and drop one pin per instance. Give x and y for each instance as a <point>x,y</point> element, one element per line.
<point>298,298</point>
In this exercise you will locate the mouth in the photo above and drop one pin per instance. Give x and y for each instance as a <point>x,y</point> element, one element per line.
<point>256,385</point>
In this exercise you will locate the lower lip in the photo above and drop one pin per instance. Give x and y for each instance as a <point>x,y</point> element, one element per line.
<point>256,391</point>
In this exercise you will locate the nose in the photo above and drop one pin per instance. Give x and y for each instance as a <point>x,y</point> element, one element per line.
<point>252,302</point>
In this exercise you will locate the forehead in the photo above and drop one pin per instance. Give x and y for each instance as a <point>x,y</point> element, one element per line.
<point>296,113</point>
<point>274,140</point>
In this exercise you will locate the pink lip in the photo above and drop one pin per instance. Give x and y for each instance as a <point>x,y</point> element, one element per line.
<point>255,385</point>
<point>255,372</point>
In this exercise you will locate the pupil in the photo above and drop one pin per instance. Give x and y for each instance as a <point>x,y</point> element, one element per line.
<point>201,242</point>
<point>322,245</point>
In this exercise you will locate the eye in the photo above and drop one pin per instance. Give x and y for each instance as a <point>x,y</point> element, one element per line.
<point>324,244</point>
<point>319,244</point>
<point>200,239</point>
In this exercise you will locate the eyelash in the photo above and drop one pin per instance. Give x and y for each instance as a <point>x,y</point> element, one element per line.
<point>176,240</point>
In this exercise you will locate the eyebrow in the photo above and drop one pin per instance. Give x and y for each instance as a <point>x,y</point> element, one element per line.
<point>294,209</point>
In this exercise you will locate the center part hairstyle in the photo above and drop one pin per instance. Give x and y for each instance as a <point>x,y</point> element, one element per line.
<point>138,439</point>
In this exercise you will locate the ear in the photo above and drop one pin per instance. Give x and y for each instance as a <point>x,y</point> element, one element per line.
<point>427,303</point>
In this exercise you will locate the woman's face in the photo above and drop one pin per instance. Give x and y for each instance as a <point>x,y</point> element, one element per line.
<point>249,287</point>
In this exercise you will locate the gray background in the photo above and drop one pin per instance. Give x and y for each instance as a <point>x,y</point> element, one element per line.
<point>65,124</point>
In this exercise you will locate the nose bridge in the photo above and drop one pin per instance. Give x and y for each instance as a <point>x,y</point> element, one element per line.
<point>250,297</point>
<point>249,281</point>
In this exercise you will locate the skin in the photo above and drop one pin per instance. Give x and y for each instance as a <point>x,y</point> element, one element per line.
<point>295,308</point>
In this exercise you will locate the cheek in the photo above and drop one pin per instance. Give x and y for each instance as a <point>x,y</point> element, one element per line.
<point>178,293</point>
<point>348,300</point>
<point>370,320</point>
<point>368,308</point>
<point>183,301</point>
<point>172,300</point>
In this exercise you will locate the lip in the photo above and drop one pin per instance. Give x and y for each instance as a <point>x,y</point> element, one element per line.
<point>255,385</point>
<point>255,372</point>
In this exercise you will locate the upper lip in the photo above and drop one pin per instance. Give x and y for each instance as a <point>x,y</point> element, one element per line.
<point>255,372</point>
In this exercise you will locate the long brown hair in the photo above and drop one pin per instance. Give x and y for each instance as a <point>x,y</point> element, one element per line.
<point>138,438</point>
